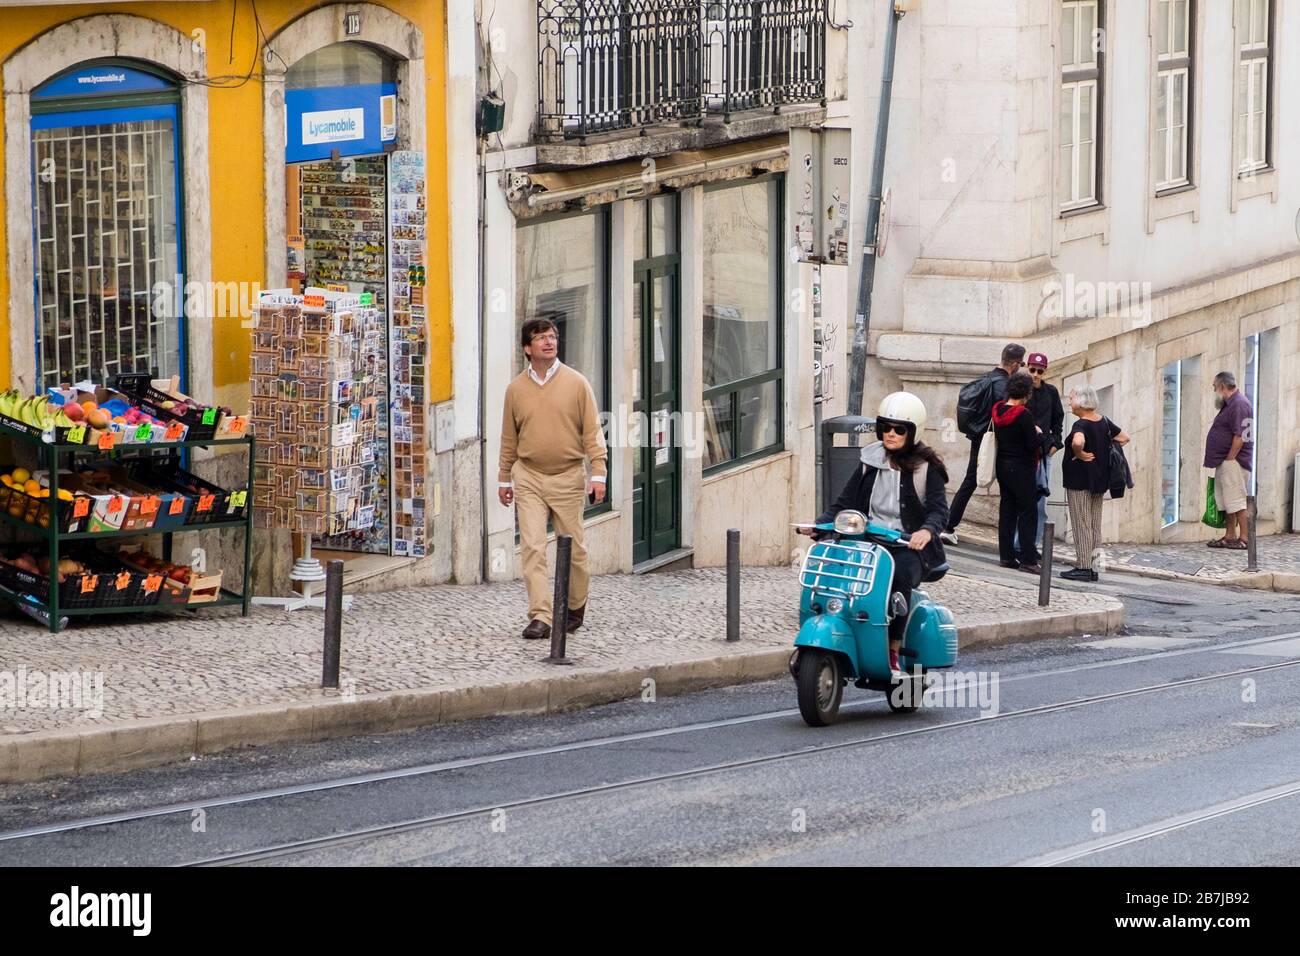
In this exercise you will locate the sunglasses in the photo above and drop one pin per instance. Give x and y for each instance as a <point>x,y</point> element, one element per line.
<point>883,429</point>
<point>1038,371</point>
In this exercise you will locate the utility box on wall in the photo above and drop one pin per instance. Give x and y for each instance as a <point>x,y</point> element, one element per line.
<point>820,184</point>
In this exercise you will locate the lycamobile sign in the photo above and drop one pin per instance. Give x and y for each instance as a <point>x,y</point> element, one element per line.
<point>333,126</point>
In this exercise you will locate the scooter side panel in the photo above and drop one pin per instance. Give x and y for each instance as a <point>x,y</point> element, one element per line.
<point>931,633</point>
<point>830,633</point>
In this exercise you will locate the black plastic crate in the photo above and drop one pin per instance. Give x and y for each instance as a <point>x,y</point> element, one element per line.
<point>200,422</point>
<point>224,506</point>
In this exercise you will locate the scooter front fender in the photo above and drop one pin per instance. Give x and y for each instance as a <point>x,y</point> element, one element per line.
<point>831,633</point>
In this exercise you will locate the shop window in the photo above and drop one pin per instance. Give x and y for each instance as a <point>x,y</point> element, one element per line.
<point>561,269</point>
<point>742,360</point>
<point>1171,398</point>
<point>106,200</point>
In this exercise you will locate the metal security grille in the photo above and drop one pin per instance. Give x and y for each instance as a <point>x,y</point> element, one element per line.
<point>107,250</point>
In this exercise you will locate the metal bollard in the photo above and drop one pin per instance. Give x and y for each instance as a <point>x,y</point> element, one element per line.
<point>733,584</point>
<point>1252,562</point>
<point>1045,560</point>
<point>560,600</point>
<point>333,624</point>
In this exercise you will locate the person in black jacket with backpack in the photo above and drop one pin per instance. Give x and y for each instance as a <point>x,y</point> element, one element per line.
<point>973,419</point>
<point>885,489</point>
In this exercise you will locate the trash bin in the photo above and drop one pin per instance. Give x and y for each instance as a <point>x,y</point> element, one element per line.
<point>838,461</point>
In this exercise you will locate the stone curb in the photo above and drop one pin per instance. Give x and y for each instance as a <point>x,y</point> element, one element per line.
<point>1283,582</point>
<point>156,741</point>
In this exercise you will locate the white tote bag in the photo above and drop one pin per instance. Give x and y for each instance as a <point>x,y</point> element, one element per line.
<point>986,465</point>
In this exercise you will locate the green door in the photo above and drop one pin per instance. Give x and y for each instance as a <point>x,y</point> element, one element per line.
<point>656,479</point>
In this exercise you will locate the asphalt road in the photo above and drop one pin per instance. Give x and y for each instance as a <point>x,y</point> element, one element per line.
<point>1176,743</point>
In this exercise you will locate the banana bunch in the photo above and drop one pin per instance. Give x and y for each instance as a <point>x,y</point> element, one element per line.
<point>37,411</point>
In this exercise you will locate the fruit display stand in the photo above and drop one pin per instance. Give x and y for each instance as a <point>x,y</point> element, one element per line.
<point>164,456</point>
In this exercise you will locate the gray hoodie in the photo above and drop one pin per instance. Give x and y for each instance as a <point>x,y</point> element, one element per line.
<point>886,502</point>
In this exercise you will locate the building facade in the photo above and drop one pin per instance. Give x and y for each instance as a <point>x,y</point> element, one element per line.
<point>636,193</point>
<point>165,163</point>
<point>1114,184</point>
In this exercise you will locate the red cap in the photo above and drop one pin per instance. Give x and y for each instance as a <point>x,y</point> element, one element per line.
<point>1036,360</point>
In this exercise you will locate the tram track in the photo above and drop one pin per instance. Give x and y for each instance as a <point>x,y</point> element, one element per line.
<point>362,834</point>
<point>470,762</point>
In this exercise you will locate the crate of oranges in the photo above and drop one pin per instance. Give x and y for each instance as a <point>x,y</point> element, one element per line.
<point>26,497</point>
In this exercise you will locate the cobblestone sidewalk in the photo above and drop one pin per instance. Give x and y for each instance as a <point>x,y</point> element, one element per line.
<point>1278,560</point>
<point>452,636</point>
<point>166,670</point>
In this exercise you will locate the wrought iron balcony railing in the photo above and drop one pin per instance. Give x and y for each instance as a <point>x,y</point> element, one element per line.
<point>606,65</point>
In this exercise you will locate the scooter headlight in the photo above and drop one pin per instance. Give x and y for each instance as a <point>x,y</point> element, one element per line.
<point>834,606</point>
<point>850,522</point>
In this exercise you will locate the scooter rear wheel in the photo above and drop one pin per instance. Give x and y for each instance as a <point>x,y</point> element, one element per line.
<point>820,687</point>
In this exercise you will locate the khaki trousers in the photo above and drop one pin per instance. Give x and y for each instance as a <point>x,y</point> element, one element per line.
<point>561,499</point>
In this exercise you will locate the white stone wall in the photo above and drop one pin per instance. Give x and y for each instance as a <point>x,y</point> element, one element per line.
<point>976,246</point>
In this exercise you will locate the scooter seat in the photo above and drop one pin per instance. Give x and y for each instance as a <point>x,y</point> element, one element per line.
<point>936,573</point>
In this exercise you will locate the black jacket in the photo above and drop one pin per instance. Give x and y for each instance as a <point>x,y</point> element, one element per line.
<point>1049,415</point>
<point>931,515</point>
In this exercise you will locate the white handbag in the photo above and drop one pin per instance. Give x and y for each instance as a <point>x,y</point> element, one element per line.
<point>986,465</point>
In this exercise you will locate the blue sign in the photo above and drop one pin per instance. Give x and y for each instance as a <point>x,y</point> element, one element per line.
<point>100,81</point>
<point>354,120</point>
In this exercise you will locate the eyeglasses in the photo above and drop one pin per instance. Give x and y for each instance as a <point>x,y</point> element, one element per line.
<point>884,429</point>
<point>546,337</point>
<point>1038,371</point>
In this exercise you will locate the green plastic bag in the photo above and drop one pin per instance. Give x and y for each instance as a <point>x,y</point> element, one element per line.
<point>1213,516</point>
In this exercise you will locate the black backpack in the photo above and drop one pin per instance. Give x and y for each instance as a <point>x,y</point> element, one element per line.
<point>975,405</point>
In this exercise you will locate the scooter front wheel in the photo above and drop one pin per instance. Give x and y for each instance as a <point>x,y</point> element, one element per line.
<point>820,687</point>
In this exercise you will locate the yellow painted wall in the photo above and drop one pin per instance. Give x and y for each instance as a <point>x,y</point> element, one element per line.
<point>236,160</point>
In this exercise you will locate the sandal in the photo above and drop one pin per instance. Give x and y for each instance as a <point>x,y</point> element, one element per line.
<point>1236,544</point>
<point>1222,543</point>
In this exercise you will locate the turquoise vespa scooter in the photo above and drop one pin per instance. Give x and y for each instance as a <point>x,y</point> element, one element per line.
<point>844,613</point>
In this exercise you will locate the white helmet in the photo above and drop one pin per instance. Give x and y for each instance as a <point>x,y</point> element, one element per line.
<point>904,407</point>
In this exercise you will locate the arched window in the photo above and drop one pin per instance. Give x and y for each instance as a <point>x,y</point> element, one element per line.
<point>340,99</point>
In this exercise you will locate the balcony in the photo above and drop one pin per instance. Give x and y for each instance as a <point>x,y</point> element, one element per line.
<point>606,66</point>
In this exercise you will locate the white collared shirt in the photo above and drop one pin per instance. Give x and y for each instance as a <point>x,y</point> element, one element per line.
<point>550,372</point>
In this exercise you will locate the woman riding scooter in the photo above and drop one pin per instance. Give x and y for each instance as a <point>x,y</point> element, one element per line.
<point>885,490</point>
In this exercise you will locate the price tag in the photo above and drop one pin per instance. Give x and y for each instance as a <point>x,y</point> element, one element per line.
<point>149,505</point>
<point>237,426</point>
<point>106,441</point>
<point>144,432</point>
<point>115,504</point>
<point>206,502</point>
<point>80,507</point>
<point>174,431</point>
<point>152,583</point>
<point>177,506</point>
<point>238,499</point>
<point>89,582</point>
<point>209,416</point>
<point>123,580</point>
<point>76,434</point>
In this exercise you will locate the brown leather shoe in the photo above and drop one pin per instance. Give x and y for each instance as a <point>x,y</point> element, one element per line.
<point>576,614</point>
<point>537,630</point>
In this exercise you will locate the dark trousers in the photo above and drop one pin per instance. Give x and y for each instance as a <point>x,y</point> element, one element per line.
<point>958,506</point>
<point>907,575</point>
<point>1018,488</point>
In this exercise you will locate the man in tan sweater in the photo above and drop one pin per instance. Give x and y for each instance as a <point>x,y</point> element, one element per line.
<point>550,424</point>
